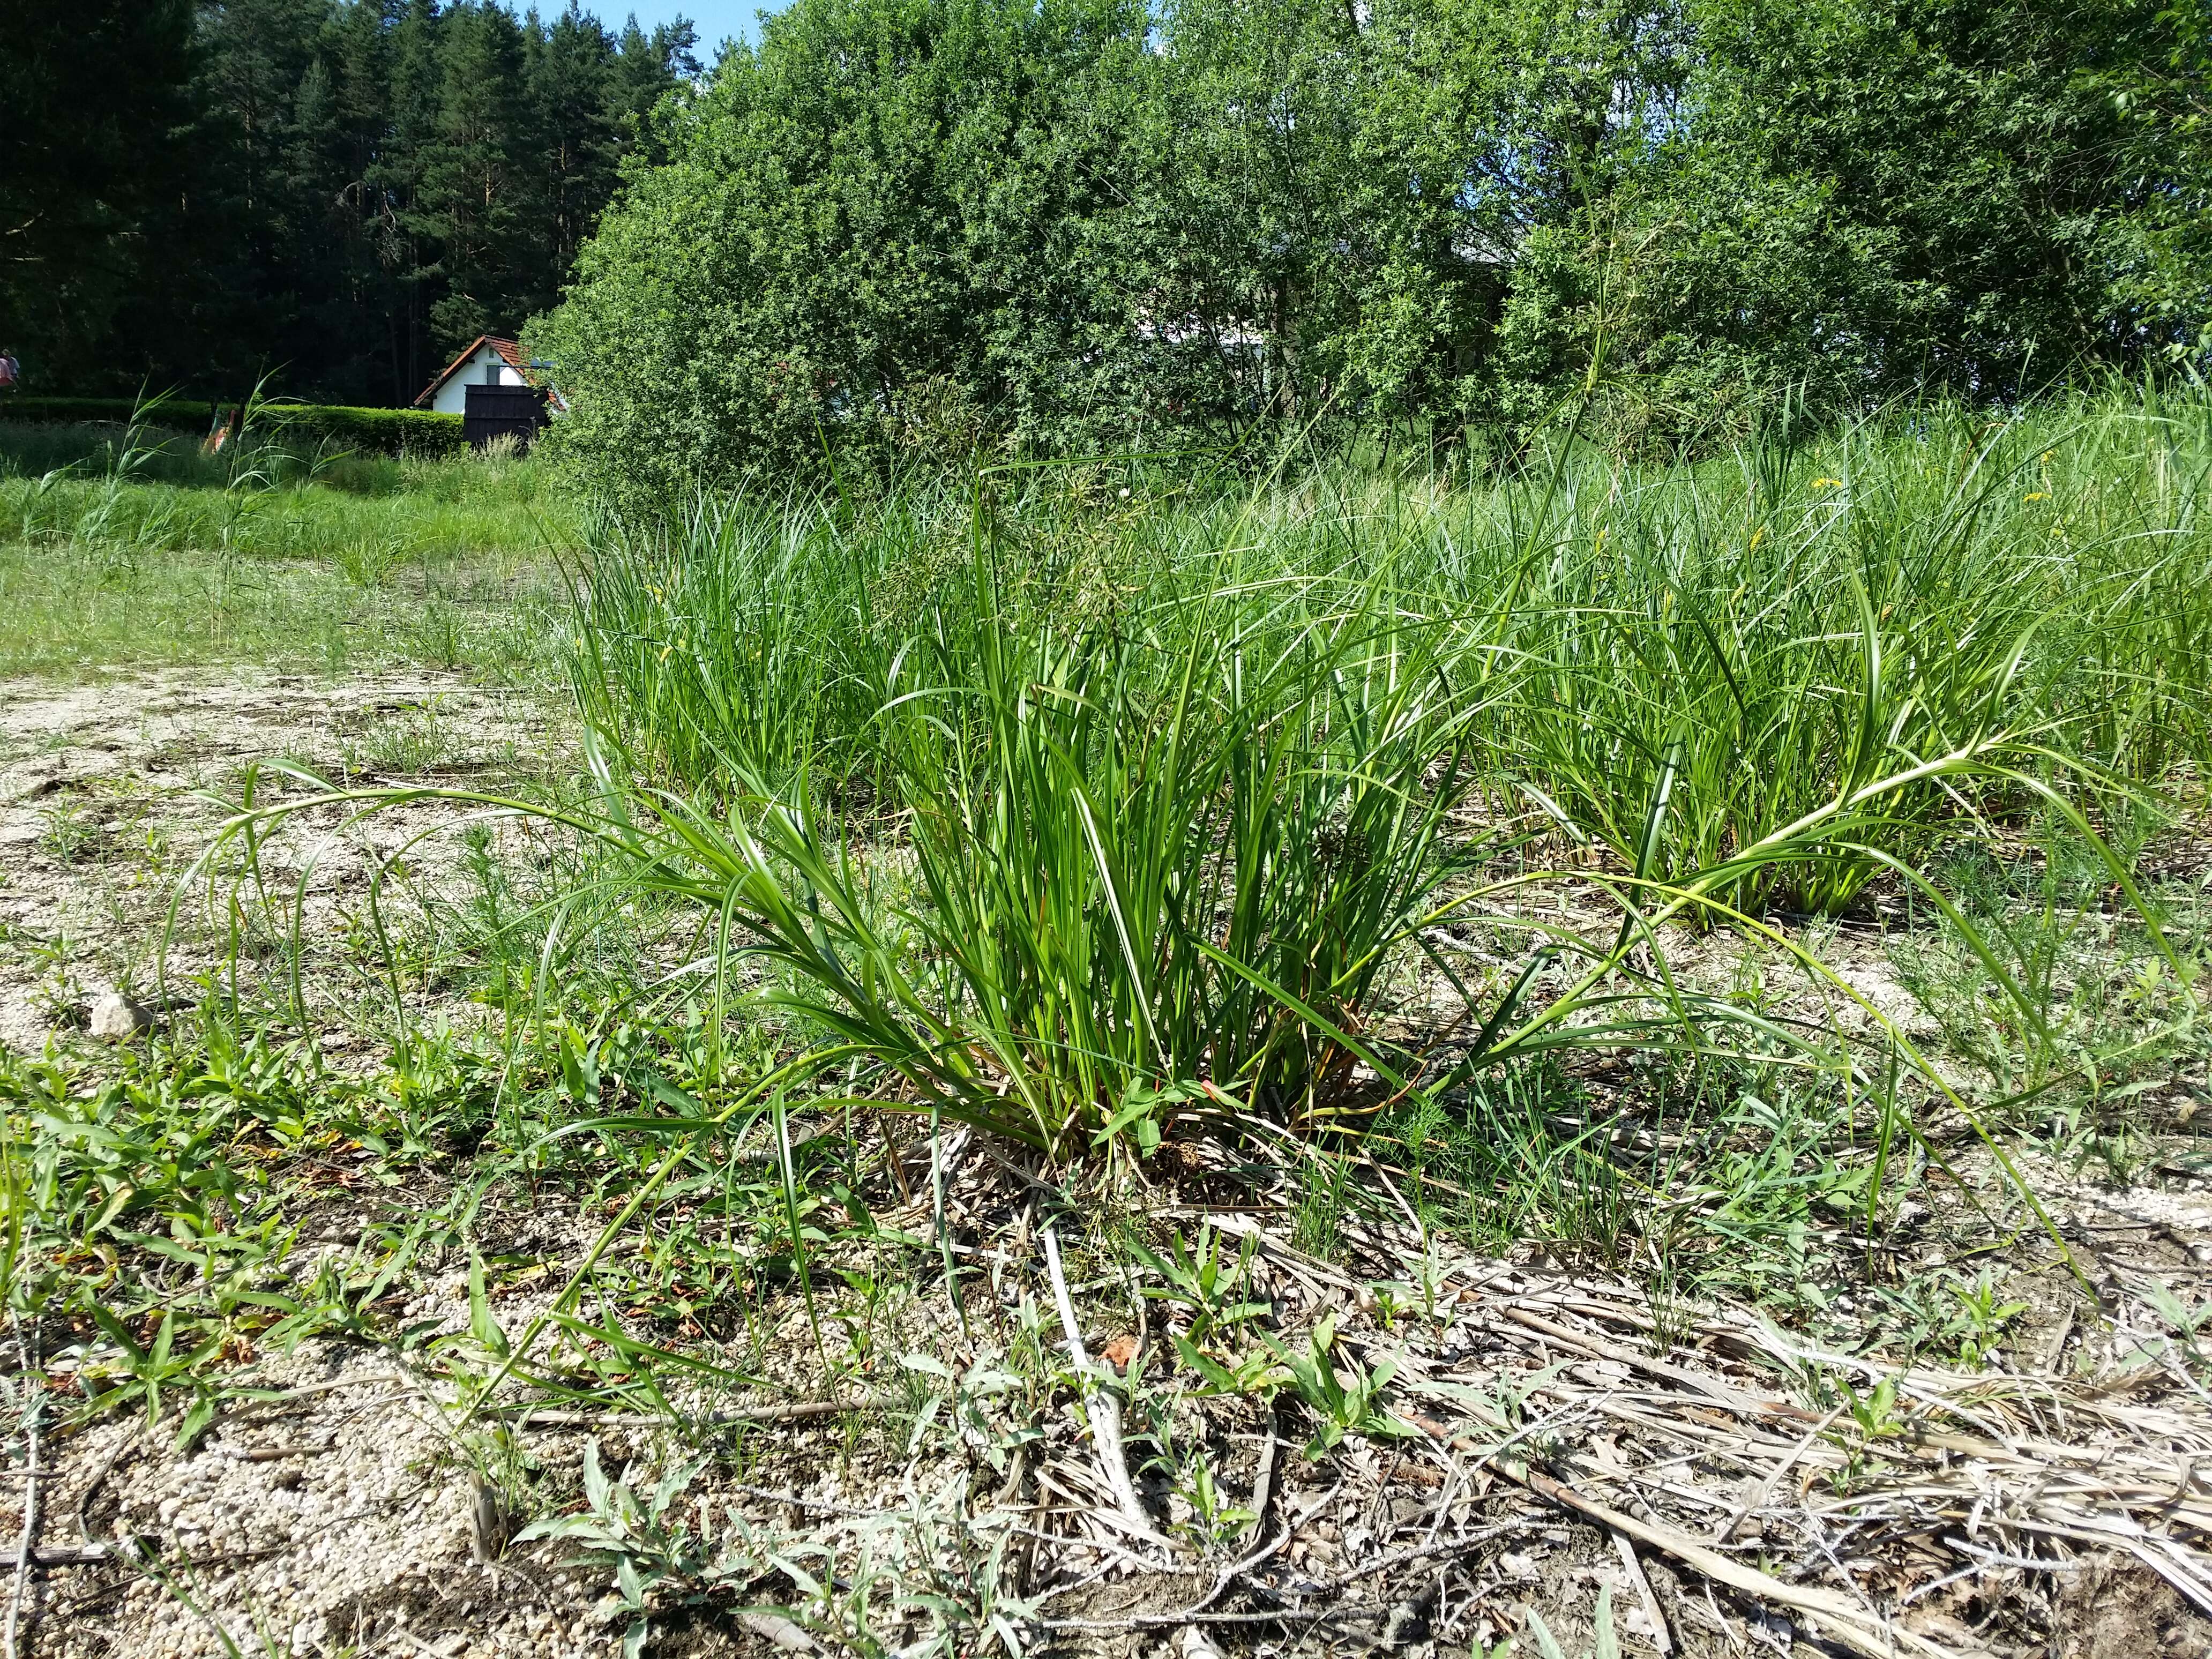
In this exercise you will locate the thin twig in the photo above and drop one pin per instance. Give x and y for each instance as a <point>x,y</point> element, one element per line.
<point>820,1506</point>
<point>1765,1489</point>
<point>1263,1482</point>
<point>1263,1616</point>
<point>58,1555</point>
<point>798,1411</point>
<point>1425,1552</point>
<point>1838,1617</point>
<point>128,1444</point>
<point>1659,1634</point>
<point>32,1405</point>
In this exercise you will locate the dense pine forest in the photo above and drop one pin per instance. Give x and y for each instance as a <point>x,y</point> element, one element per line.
<point>337,190</point>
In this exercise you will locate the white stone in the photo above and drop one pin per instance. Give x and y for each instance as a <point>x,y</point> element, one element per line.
<point>116,1019</point>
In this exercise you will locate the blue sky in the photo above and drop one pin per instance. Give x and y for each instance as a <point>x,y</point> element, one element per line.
<point>717,19</point>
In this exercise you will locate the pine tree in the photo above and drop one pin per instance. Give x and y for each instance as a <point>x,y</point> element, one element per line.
<point>358,304</point>
<point>340,190</point>
<point>477,189</point>
<point>647,67</point>
<point>94,91</point>
<point>576,130</point>
<point>414,101</point>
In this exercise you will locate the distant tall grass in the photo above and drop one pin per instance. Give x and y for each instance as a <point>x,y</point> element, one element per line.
<point>126,544</point>
<point>73,610</point>
<point>146,490</point>
<point>1729,646</point>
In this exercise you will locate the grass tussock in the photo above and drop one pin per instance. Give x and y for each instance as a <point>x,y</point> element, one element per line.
<point>1079,809</point>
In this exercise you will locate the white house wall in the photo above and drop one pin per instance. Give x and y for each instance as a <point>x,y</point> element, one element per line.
<point>485,368</point>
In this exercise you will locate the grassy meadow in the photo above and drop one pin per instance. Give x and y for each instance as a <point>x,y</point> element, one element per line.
<point>125,545</point>
<point>1775,883</point>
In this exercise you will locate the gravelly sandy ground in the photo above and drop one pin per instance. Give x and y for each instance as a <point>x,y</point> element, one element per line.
<point>108,790</point>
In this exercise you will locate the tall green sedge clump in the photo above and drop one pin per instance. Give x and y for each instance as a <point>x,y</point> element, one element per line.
<point>1751,642</point>
<point>735,636</point>
<point>1066,817</point>
<point>1745,641</point>
<point>1172,866</point>
<point>1133,863</point>
<point>2113,487</point>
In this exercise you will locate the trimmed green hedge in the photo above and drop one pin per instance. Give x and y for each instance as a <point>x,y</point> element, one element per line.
<point>388,431</point>
<point>418,431</point>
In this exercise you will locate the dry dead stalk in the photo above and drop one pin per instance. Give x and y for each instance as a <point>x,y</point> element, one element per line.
<point>1100,1404</point>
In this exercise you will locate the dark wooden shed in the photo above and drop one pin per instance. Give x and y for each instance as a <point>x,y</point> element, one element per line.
<point>494,411</point>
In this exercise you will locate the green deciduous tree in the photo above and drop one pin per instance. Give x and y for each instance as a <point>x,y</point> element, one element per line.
<point>895,223</point>
<point>1067,227</point>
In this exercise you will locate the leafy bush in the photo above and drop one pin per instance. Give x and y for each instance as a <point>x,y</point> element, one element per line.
<point>938,228</point>
<point>869,234</point>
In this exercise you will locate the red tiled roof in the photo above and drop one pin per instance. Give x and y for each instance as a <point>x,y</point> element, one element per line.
<point>509,352</point>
